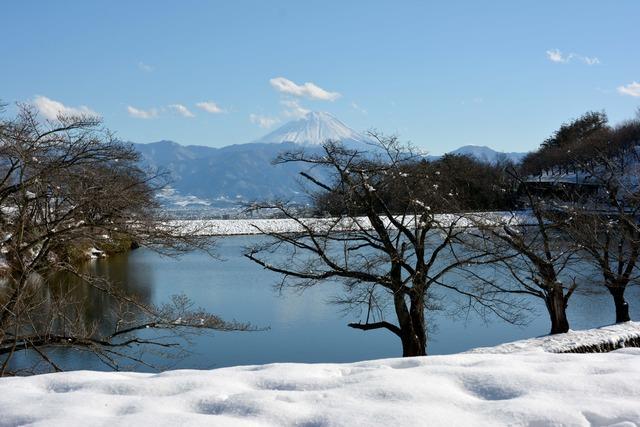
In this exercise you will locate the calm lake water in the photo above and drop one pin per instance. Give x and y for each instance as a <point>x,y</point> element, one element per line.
<point>303,327</point>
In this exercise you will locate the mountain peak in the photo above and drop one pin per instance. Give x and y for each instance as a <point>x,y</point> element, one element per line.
<point>314,128</point>
<point>319,115</point>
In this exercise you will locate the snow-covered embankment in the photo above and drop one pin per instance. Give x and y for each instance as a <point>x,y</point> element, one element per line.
<point>245,226</point>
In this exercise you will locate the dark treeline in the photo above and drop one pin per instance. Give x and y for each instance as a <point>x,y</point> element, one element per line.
<point>584,141</point>
<point>474,184</point>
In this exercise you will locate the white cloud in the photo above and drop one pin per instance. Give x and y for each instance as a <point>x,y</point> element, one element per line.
<point>210,107</point>
<point>555,55</point>
<point>182,110</point>
<point>308,89</point>
<point>293,108</point>
<point>50,109</point>
<point>263,121</point>
<point>632,89</point>
<point>142,114</point>
<point>145,67</point>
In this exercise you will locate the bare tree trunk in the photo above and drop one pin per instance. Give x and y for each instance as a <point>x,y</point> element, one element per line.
<point>622,306</point>
<point>419,325</point>
<point>411,345</point>
<point>557,307</point>
<point>412,325</point>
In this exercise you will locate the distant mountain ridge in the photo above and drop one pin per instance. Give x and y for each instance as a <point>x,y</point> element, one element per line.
<point>488,155</point>
<point>222,177</point>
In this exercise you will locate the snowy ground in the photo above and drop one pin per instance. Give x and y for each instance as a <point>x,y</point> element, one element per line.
<point>528,387</point>
<point>613,336</point>
<point>231,227</point>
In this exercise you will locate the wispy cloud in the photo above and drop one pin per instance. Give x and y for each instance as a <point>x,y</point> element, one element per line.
<point>556,55</point>
<point>142,114</point>
<point>590,60</point>
<point>632,89</point>
<point>145,67</point>
<point>181,109</point>
<point>293,108</point>
<point>210,107</point>
<point>308,89</point>
<point>51,109</point>
<point>263,121</point>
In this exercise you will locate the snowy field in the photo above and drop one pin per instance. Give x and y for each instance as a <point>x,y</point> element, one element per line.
<point>233,227</point>
<point>531,387</point>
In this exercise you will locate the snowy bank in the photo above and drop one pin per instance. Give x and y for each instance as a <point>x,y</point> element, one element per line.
<point>598,340</point>
<point>528,387</point>
<point>234,227</point>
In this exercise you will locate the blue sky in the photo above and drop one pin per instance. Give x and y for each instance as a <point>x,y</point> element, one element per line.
<point>440,74</point>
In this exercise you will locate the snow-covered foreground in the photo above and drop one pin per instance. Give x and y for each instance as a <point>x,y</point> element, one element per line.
<point>528,387</point>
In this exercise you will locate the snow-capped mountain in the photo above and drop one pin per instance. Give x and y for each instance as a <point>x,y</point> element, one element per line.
<point>222,177</point>
<point>313,129</point>
<point>244,172</point>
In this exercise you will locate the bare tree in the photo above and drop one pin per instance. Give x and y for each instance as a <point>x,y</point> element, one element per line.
<point>591,179</point>
<point>387,258</point>
<point>67,186</point>
<point>605,222</point>
<point>536,255</point>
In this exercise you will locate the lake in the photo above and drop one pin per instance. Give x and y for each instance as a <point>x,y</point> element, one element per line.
<point>302,327</point>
